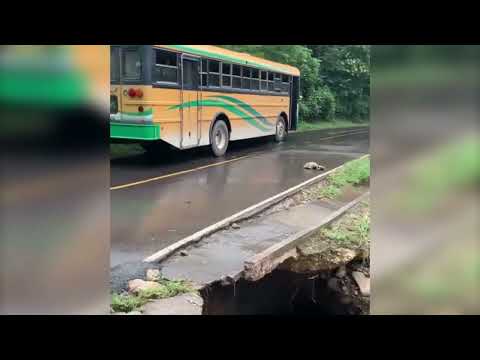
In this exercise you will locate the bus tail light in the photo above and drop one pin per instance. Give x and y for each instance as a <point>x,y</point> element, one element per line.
<point>139,93</point>
<point>132,92</point>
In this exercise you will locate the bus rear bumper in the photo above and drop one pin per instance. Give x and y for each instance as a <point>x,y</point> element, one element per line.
<point>134,131</point>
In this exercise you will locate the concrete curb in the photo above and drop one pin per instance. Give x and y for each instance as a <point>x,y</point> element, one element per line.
<point>242,215</point>
<point>263,263</point>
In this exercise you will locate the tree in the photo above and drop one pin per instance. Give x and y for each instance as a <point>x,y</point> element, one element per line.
<point>335,79</point>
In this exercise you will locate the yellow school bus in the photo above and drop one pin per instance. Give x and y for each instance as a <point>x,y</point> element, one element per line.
<point>187,96</point>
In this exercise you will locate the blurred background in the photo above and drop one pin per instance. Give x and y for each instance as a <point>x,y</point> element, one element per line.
<point>54,166</point>
<point>425,252</point>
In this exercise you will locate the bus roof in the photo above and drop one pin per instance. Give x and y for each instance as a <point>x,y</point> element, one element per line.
<point>218,53</point>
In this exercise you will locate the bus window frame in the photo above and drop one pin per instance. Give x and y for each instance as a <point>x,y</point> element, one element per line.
<point>123,51</point>
<point>229,75</point>
<point>230,89</point>
<point>178,68</point>
<point>219,74</point>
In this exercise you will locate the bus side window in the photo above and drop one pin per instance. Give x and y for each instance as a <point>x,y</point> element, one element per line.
<point>277,84</point>
<point>255,79</point>
<point>165,67</point>
<point>237,76</point>
<point>285,83</point>
<point>204,73</point>
<point>226,75</point>
<point>270,81</point>
<point>263,81</point>
<point>246,75</point>
<point>214,73</point>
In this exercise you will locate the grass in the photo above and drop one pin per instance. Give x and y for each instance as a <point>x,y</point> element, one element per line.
<point>131,302</point>
<point>337,124</point>
<point>126,302</point>
<point>168,288</point>
<point>355,172</point>
<point>353,230</point>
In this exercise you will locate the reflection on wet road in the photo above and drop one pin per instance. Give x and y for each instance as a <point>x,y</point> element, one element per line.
<point>152,215</point>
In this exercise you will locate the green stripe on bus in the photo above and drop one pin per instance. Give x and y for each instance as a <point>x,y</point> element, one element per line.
<point>229,107</point>
<point>134,131</point>
<point>246,107</point>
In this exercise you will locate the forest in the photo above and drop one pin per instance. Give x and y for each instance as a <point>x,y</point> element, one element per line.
<point>335,79</point>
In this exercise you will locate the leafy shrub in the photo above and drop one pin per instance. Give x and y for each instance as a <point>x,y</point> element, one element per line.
<point>320,105</point>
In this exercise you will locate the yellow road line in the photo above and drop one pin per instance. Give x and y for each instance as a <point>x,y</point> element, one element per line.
<point>177,173</point>
<point>208,166</point>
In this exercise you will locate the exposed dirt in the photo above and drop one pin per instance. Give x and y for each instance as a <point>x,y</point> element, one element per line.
<point>342,241</point>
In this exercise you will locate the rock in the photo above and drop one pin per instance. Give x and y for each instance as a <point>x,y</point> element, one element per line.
<point>153,275</point>
<point>235,226</point>
<point>341,272</point>
<point>313,166</point>
<point>183,253</point>
<point>134,286</point>
<point>363,282</point>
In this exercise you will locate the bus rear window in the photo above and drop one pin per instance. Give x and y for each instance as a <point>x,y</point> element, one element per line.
<point>114,64</point>
<point>132,65</point>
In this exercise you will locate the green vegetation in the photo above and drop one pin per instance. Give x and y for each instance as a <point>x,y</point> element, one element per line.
<point>447,171</point>
<point>167,288</point>
<point>335,79</point>
<point>352,230</point>
<point>308,126</point>
<point>127,302</point>
<point>355,172</point>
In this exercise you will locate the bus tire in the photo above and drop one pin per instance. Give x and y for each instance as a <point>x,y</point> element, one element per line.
<point>280,130</point>
<point>220,138</point>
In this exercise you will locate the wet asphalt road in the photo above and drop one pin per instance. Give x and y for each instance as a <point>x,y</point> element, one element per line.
<point>150,216</point>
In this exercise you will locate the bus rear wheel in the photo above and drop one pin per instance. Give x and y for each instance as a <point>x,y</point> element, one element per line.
<point>281,130</point>
<point>220,138</point>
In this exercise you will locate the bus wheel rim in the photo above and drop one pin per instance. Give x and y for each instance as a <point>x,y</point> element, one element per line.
<point>280,129</point>
<point>219,139</point>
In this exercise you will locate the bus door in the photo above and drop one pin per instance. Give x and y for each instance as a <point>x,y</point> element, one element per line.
<point>115,83</point>
<point>190,97</point>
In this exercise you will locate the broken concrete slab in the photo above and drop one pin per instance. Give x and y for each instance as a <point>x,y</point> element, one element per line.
<point>184,304</point>
<point>300,255</point>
